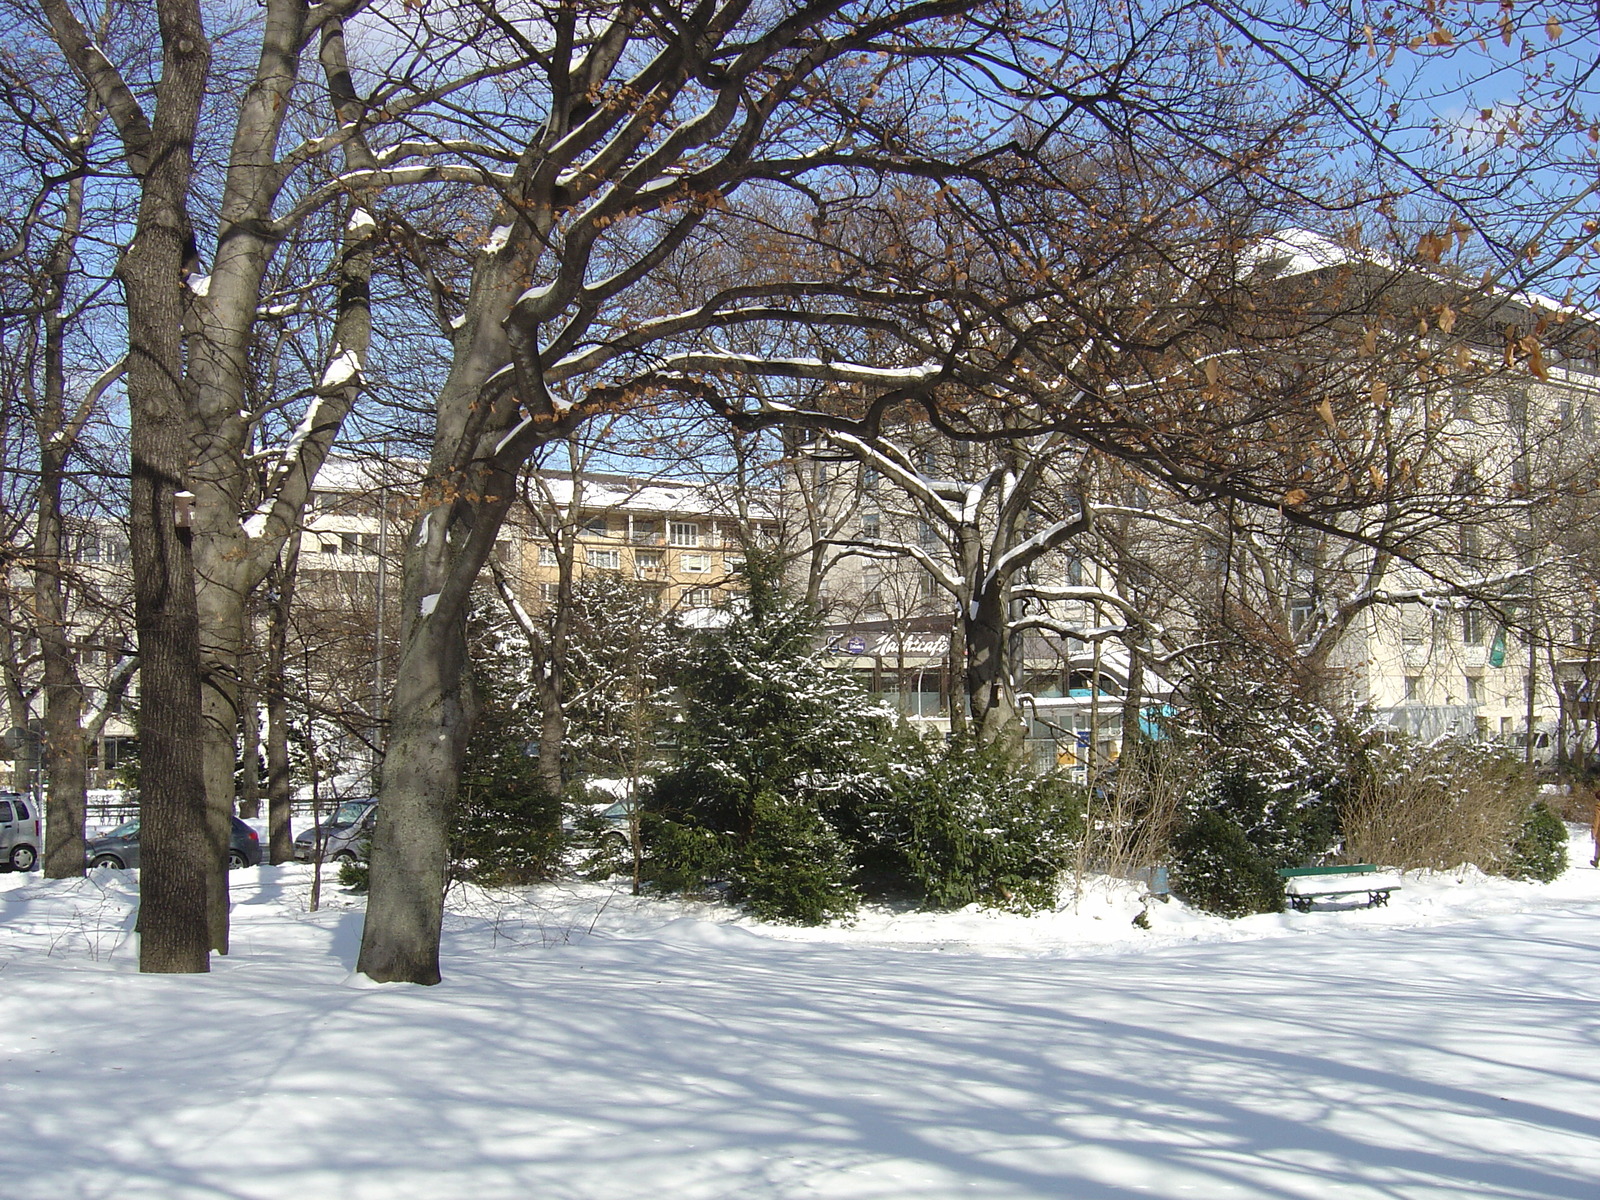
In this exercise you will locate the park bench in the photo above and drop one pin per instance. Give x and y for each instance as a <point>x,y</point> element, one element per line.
<point>1303,886</point>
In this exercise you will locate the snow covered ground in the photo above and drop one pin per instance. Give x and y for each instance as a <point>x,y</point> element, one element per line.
<point>589,1045</point>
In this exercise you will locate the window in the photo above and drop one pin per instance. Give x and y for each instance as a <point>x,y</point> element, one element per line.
<point>5,812</point>
<point>1413,629</point>
<point>351,543</point>
<point>869,478</point>
<point>684,533</point>
<point>647,560</point>
<point>871,525</point>
<point>872,583</point>
<point>605,560</point>
<point>1472,627</point>
<point>22,810</point>
<point>699,597</point>
<point>927,536</point>
<point>118,751</point>
<point>547,557</point>
<point>1474,689</point>
<point>1413,689</point>
<point>550,592</point>
<point>1301,610</point>
<point>733,566</point>
<point>328,546</point>
<point>647,533</point>
<point>597,527</point>
<point>696,562</point>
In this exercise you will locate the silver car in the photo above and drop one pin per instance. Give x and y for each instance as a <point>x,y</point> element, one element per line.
<point>19,832</point>
<point>345,834</point>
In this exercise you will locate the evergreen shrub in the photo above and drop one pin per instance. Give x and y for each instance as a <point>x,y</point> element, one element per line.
<point>975,826</point>
<point>355,874</point>
<point>1217,870</point>
<point>1539,851</point>
<point>773,747</point>
<point>794,866</point>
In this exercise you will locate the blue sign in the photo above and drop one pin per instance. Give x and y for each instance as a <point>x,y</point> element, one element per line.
<point>1083,737</point>
<point>856,645</point>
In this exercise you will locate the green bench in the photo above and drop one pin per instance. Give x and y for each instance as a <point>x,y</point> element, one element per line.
<point>1303,886</point>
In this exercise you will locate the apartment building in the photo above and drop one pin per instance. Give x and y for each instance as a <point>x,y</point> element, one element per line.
<point>686,541</point>
<point>1493,633</point>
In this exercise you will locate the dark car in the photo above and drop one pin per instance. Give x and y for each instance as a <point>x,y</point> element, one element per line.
<point>119,849</point>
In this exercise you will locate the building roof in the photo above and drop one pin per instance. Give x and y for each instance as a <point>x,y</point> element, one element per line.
<point>599,490</point>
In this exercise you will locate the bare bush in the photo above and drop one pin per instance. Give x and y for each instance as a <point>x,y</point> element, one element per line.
<point>1130,822</point>
<point>1436,806</point>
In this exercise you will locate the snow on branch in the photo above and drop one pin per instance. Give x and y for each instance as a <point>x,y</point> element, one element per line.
<point>733,363</point>
<point>881,550</point>
<point>1041,543</point>
<point>1085,595</point>
<point>1069,629</point>
<point>896,466</point>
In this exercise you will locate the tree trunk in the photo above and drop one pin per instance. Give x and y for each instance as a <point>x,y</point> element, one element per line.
<point>66,808</point>
<point>428,728</point>
<point>280,781</point>
<point>250,728</point>
<point>222,622</point>
<point>430,718</point>
<point>174,848</point>
<point>990,693</point>
<point>553,682</point>
<point>63,751</point>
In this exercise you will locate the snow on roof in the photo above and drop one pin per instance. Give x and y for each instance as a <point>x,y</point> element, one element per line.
<point>598,491</point>
<point>362,475</point>
<point>1299,252</point>
<point>657,495</point>
<point>1291,252</point>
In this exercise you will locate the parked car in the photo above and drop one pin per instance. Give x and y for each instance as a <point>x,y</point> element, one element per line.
<point>119,849</point>
<point>345,834</point>
<point>19,832</point>
<point>615,832</point>
<point>603,827</point>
